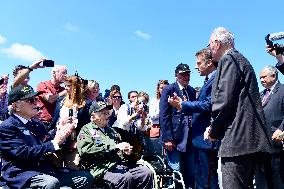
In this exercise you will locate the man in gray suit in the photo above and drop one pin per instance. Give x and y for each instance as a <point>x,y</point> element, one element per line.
<point>273,105</point>
<point>237,115</point>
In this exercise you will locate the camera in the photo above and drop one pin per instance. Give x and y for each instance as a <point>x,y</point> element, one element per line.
<point>279,48</point>
<point>70,112</point>
<point>48,63</point>
<point>1,81</point>
<point>145,107</point>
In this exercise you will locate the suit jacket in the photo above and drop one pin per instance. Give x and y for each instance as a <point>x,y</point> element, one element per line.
<point>24,155</point>
<point>280,67</point>
<point>171,120</point>
<point>274,111</point>
<point>233,117</point>
<point>201,109</point>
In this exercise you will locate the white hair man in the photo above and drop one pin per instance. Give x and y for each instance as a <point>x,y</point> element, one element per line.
<point>237,115</point>
<point>50,90</point>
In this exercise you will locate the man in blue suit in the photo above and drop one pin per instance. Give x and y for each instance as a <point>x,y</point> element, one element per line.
<point>27,148</point>
<point>176,126</point>
<point>205,153</point>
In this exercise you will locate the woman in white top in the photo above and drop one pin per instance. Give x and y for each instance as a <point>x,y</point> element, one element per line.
<point>132,121</point>
<point>153,145</point>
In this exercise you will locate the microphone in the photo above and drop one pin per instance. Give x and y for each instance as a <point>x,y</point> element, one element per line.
<point>276,36</point>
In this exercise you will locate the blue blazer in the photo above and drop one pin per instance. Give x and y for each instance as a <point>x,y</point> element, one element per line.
<point>24,155</point>
<point>171,120</point>
<point>201,118</point>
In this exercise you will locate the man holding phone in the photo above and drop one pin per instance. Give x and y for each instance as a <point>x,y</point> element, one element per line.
<point>3,97</point>
<point>50,91</point>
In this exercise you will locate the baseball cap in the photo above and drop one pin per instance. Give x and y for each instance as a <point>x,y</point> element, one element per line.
<point>182,68</point>
<point>98,106</point>
<point>20,93</point>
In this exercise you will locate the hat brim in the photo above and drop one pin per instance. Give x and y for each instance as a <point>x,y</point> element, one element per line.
<point>186,71</point>
<point>108,107</point>
<point>30,95</point>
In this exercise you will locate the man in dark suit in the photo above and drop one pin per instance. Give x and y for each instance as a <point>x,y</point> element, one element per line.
<point>273,105</point>
<point>176,126</point>
<point>205,154</point>
<point>27,148</point>
<point>237,115</point>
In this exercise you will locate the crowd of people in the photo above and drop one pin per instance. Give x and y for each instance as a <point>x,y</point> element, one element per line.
<point>65,134</point>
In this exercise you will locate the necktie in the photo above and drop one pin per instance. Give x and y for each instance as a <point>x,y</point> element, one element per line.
<point>184,93</point>
<point>266,95</point>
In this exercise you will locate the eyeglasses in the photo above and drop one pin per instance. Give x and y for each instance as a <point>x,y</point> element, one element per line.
<point>117,97</point>
<point>211,42</point>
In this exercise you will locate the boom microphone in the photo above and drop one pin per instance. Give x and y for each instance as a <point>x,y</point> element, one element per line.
<point>276,36</point>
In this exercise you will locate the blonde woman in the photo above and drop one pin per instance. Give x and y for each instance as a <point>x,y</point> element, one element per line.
<point>72,105</point>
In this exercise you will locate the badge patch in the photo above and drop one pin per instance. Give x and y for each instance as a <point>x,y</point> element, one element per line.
<point>98,141</point>
<point>81,136</point>
<point>26,132</point>
<point>95,133</point>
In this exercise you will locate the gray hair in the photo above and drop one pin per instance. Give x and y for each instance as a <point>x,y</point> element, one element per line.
<point>223,35</point>
<point>58,67</point>
<point>272,70</point>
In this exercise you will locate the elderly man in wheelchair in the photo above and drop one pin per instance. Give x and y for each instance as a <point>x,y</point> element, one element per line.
<point>105,155</point>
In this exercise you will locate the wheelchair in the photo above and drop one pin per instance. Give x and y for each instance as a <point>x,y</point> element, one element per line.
<point>166,177</point>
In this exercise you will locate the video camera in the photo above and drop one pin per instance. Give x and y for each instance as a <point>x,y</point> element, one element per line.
<point>279,48</point>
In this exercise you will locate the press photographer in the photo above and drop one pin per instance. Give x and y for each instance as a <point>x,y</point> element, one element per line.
<point>276,49</point>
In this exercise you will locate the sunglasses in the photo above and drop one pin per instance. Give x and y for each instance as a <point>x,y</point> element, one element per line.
<point>117,97</point>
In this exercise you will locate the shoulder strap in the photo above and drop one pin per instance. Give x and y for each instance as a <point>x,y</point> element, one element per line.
<point>129,109</point>
<point>250,98</point>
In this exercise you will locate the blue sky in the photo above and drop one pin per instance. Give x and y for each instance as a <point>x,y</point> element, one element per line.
<point>129,42</point>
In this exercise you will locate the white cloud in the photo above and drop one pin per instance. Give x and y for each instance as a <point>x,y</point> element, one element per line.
<point>143,34</point>
<point>23,52</point>
<point>2,39</point>
<point>71,27</point>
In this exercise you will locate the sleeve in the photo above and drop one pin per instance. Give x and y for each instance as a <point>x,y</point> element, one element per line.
<point>225,96</point>
<point>197,106</point>
<point>88,147</point>
<point>123,117</point>
<point>280,67</point>
<point>281,127</point>
<point>166,115</point>
<point>154,109</point>
<point>15,147</point>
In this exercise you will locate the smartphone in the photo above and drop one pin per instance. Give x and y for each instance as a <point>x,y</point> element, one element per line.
<point>1,81</point>
<point>48,63</point>
<point>70,112</point>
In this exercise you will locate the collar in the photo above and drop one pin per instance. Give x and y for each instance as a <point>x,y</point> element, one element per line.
<point>21,118</point>
<point>273,86</point>
<point>180,86</point>
<point>211,74</point>
<point>226,52</point>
